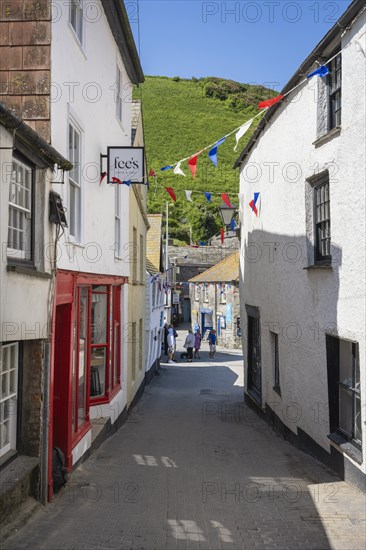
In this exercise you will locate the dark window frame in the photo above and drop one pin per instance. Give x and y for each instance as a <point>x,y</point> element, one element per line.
<point>334,390</point>
<point>334,84</point>
<point>321,224</point>
<point>254,357</point>
<point>276,362</point>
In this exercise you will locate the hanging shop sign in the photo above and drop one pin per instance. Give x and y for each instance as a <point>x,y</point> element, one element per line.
<point>125,164</point>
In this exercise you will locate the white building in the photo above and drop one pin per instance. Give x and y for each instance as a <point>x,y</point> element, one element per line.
<point>91,112</point>
<point>154,319</point>
<point>303,254</point>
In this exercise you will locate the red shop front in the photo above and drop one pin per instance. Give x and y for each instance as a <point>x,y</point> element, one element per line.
<point>85,357</point>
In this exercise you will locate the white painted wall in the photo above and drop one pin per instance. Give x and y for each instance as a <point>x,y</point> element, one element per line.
<point>84,84</point>
<point>23,298</point>
<point>294,301</point>
<point>154,313</point>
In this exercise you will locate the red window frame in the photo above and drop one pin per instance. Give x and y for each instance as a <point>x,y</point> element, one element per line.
<point>79,431</point>
<point>113,323</point>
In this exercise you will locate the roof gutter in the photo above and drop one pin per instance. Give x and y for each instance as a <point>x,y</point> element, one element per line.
<point>341,24</point>
<point>31,139</point>
<point>117,18</point>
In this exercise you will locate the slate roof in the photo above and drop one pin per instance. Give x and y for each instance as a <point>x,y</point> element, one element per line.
<point>151,268</point>
<point>204,256</point>
<point>226,271</point>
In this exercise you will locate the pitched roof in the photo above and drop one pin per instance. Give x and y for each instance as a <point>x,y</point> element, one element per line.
<point>341,25</point>
<point>224,272</point>
<point>151,268</point>
<point>153,239</point>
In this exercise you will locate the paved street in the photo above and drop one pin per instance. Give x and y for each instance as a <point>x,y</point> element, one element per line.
<point>193,468</point>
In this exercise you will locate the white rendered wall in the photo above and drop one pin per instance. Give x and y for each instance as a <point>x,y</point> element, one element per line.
<point>84,84</point>
<point>300,304</point>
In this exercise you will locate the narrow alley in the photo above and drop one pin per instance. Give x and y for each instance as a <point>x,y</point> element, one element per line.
<point>194,468</point>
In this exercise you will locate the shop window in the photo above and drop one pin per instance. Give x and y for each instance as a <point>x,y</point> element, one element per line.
<point>8,397</point>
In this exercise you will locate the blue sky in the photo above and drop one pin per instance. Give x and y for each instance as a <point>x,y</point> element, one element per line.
<point>255,41</point>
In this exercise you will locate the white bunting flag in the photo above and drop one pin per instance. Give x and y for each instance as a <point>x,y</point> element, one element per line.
<point>242,131</point>
<point>177,169</point>
<point>188,195</point>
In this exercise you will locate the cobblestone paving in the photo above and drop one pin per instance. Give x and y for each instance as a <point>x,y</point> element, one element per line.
<point>193,468</point>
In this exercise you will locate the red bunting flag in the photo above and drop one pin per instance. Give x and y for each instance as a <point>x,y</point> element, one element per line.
<point>116,180</point>
<point>269,102</point>
<point>192,163</point>
<point>170,190</point>
<point>102,176</point>
<point>225,198</point>
<point>222,235</point>
<point>152,173</point>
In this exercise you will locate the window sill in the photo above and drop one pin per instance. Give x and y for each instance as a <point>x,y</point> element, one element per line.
<point>277,389</point>
<point>346,446</point>
<point>319,266</point>
<point>334,132</point>
<point>28,270</point>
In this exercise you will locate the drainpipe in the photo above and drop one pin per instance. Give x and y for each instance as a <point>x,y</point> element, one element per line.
<point>46,400</point>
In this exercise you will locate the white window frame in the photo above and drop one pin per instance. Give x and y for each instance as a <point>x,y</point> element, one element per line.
<point>22,211</point>
<point>78,29</point>
<point>223,294</point>
<point>197,293</point>
<point>8,402</point>
<point>205,292</point>
<point>117,221</point>
<point>119,93</point>
<point>75,182</point>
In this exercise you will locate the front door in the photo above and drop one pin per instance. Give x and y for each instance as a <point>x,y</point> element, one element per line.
<point>254,355</point>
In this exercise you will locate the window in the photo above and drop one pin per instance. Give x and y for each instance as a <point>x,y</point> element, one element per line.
<point>8,397</point>
<point>119,94</point>
<point>275,362</point>
<point>344,389</point>
<point>197,290</point>
<point>335,92</point>
<point>142,267</point>
<point>117,221</point>
<point>80,359</point>
<point>322,220</point>
<point>76,18</point>
<point>75,182</point>
<point>205,292</point>
<point>222,290</point>
<point>133,354</point>
<point>134,255</point>
<point>141,339</point>
<point>105,345</point>
<point>20,211</point>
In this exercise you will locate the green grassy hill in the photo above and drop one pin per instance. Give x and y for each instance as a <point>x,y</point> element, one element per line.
<point>180,118</point>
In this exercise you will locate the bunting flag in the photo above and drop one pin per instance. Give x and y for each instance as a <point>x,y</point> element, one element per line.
<point>225,198</point>
<point>152,173</point>
<point>208,196</point>
<point>213,153</point>
<point>188,195</point>
<point>166,168</point>
<point>321,71</point>
<point>242,130</point>
<point>269,102</point>
<point>102,176</point>
<point>232,225</point>
<point>171,193</point>
<point>192,163</point>
<point>117,180</point>
<point>178,170</point>
<point>222,235</point>
<point>253,203</point>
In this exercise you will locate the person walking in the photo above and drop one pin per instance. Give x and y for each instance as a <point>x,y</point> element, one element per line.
<point>171,344</point>
<point>212,338</point>
<point>189,345</point>
<point>197,343</point>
